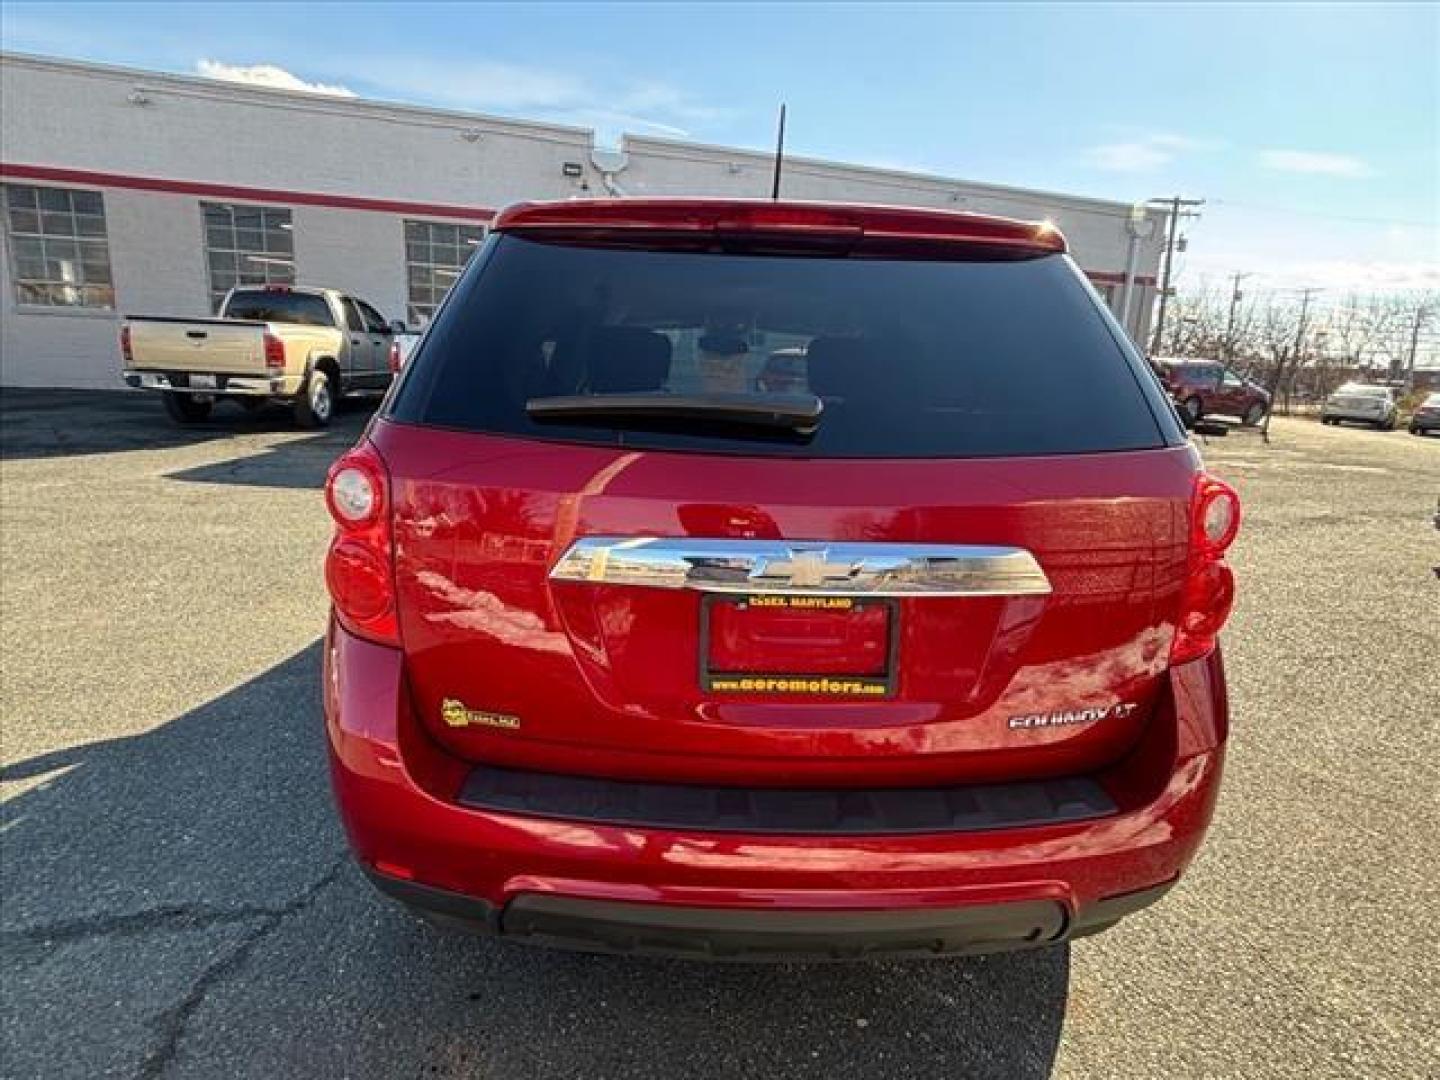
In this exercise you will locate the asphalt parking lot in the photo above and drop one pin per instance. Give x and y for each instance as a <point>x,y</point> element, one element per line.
<point>177,900</point>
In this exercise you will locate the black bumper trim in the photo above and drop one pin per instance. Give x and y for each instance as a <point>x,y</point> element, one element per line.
<point>795,811</point>
<point>758,934</point>
<point>750,934</point>
<point>451,908</point>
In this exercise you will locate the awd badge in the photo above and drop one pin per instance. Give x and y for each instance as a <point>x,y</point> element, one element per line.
<point>455,714</point>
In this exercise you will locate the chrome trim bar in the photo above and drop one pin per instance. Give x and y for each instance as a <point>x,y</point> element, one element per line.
<point>802,568</point>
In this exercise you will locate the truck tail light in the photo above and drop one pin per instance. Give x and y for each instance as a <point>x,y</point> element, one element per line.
<point>1209,591</point>
<point>394,356</point>
<point>125,344</point>
<point>360,566</point>
<point>274,352</point>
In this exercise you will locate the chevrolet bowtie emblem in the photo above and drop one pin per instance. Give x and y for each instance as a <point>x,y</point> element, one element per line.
<point>804,568</point>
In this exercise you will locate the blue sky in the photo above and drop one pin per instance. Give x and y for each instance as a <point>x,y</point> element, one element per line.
<point>1312,131</point>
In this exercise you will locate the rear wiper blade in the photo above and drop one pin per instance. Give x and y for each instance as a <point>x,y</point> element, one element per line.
<point>793,412</point>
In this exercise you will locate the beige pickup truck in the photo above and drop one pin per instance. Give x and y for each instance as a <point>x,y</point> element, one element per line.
<point>302,346</point>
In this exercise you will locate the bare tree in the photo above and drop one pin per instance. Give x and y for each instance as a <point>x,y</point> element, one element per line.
<point>1277,334</point>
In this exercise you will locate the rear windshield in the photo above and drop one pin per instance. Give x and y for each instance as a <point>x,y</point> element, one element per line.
<point>275,306</point>
<point>909,358</point>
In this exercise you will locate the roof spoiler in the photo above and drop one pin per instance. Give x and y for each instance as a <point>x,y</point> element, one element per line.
<point>697,219</point>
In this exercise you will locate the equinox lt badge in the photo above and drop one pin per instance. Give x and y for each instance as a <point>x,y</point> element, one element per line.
<point>1067,717</point>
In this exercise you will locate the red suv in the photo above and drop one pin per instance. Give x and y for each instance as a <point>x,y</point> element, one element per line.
<point>1204,388</point>
<point>632,651</point>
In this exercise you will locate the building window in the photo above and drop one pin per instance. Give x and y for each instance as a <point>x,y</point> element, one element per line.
<point>435,253</point>
<point>247,245</point>
<point>60,255</point>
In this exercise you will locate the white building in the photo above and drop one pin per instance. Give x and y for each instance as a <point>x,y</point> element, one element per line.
<point>131,191</point>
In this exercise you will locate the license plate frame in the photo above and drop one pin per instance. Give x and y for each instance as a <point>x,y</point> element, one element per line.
<point>827,685</point>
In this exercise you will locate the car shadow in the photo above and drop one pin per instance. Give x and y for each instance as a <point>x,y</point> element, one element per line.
<point>54,424</point>
<point>221,821</point>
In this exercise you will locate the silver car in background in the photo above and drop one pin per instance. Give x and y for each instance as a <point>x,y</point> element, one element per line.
<point>1362,404</point>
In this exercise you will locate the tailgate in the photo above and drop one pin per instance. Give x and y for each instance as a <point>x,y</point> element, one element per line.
<point>211,346</point>
<point>530,624</point>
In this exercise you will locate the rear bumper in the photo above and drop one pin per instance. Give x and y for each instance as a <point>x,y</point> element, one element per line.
<point>228,385</point>
<point>753,895</point>
<point>738,933</point>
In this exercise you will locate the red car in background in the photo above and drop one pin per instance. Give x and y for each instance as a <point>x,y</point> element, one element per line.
<point>1208,388</point>
<point>906,649</point>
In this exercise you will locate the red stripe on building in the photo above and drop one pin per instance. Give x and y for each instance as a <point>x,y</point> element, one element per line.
<point>10,171</point>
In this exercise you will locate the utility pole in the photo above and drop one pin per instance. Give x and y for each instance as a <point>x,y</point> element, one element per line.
<point>1235,297</point>
<point>1174,203</point>
<point>1305,295</point>
<point>1421,314</point>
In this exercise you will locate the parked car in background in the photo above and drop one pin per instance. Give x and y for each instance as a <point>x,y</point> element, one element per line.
<point>303,346</point>
<point>1361,403</point>
<point>915,653</point>
<point>1208,388</point>
<point>1426,417</point>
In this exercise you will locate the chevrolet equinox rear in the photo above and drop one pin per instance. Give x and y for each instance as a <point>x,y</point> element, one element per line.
<point>637,646</point>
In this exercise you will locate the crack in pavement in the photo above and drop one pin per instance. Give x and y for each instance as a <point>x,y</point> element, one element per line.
<point>171,1024</point>
<point>174,917</point>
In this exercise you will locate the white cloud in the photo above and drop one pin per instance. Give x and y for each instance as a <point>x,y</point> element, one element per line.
<point>277,78</point>
<point>1144,154</point>
<point>1128,157</point>
<point>1314,163</point>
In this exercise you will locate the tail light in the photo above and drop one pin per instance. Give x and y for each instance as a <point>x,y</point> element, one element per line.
<point>394,356</point>
<point>274,352</point>
<point>125,344</point>
<point>360,566</point>
<point>1209,591</point>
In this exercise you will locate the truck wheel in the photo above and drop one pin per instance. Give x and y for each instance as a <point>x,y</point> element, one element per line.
<point>1253,415</point>
<point>316,403</point>
<point>186,408</point>
<point>1192,409</point>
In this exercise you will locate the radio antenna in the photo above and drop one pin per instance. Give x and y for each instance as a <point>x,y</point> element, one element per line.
<point>779,155</point>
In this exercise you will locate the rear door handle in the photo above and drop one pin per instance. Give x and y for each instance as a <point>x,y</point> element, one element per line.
<point>196,334</point>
